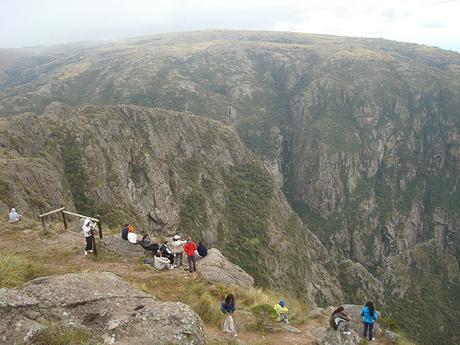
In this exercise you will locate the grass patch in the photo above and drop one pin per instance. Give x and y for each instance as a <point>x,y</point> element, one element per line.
<point>57,335</point>
<point>16,270</point>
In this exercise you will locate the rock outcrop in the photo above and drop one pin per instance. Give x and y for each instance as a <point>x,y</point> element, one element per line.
<point>99,303</point>
<point>329,336</point>
<point>122,247</point>
<point>216,269</point>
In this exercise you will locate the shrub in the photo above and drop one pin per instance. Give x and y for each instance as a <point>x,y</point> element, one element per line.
<point>15,270</point>
<point>263,313</point>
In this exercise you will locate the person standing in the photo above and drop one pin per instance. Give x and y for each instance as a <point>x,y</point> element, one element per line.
<point>87,228</point>
<point>177,248</point>
<point>282,311</point>
<point>228,307</point>
<point>189,249</point>
<point>369,316</point>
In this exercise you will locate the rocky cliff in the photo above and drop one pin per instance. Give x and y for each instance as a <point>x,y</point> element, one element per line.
<point>362,135</point>
<point>171,172</point>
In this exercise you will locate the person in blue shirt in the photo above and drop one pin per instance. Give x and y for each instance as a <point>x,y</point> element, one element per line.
<point>228,308</point>
<point>369,316</point>
<point>202,250</point>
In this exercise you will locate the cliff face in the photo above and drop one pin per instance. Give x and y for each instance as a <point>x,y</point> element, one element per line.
<point>169,171</point>
<point>361,135</point>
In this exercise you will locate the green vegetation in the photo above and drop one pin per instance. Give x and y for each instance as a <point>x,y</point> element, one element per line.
<point>55,335</point>
<point>263,314</point>
<point>193,217</point>
<point>16,270</point>
<point>249,195</point>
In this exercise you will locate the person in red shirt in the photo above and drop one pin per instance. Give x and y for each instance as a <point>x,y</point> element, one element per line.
<point>189,249</point>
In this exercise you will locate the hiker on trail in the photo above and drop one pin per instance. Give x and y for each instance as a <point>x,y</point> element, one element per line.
<point>161,263</point>
<point>369,316</point>
<point>202,251</point>
<point>282,311</point>
<point>341,321</point>
<point>147,244</point>
<point>166,252</point>
<point>189,249</point>
<point>177,248</point>
<point>228,307</point>
<point>14,216</point>
<point>124,232</point>
<point>87,228</point>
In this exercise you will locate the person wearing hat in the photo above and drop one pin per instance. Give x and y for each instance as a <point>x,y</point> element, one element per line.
<point>177,248</point>
<point>14,216</point>
<point>282,311</point>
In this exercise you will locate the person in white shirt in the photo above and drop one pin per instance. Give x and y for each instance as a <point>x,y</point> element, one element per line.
<point>87,228</point>
<point>177,248</point>
<point>14,216</point>
<point>161,263</point>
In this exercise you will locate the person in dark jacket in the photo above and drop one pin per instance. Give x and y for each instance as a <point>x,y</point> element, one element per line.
<point>341,321</point>
<point>166,252</point>
<point>147,244</point>
<point>369,316</point>
<point>202,250</point>
<point>124,232</point>
<point>228,307</point>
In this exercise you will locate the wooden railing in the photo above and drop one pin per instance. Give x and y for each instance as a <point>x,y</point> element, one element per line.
<point>63,212</point>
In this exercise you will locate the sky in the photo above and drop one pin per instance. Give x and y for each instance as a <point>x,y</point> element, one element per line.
<point>46,22</point>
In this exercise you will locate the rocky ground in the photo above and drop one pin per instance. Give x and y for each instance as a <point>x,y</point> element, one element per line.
<point>112,295</point>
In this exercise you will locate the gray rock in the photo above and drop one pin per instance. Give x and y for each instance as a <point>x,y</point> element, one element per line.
<point>99,302</point>
<point>216,269</point>
<point>123,247</point>
<point>329,336</point>
<point>390,336</point>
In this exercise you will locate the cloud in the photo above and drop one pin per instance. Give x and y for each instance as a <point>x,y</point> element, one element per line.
<point>30,22</point>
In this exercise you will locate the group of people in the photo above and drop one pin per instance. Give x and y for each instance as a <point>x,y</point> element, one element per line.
<point>341,321</point>
<point>170,254</point>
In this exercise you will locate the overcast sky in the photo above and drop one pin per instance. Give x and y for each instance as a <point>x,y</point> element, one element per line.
<point>44,22</point>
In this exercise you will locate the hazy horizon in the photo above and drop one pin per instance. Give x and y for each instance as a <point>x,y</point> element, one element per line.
<point>28,23</point>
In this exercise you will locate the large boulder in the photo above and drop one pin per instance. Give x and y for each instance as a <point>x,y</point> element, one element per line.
<point>328,336</point>
<point>101,304</point>
<point>216,269</point>
<point>122,247</point>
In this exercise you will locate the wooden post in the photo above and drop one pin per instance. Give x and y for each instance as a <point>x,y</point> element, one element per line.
<point>99,226</point>
<point>64,220</point>
<point>44,226</point>
<point>94,243</point>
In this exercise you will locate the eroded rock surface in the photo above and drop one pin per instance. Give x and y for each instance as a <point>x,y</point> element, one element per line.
<point>102,304</point>
<point>216,268</point>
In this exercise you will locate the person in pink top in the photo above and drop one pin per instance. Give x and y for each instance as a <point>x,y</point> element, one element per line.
<point>189,249</point>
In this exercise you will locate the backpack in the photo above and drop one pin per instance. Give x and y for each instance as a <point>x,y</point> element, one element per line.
<point>124,233</point>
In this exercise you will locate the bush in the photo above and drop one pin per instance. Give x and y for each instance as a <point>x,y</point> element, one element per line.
<point>15,270</point>
<point>263,313</point>
<point>58,335</point>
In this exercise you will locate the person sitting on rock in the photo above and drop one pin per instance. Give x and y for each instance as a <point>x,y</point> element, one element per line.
<point>189,249</point>
<point>161,263</point>
<point>282,311</point>
<point>125,232</point>
<point>228,307</point>
<point>147,244</point>
<point>14,216</point>
<point>177,248</point>
<point>166,252</point>
<point>369,316</point>
<point>201,251</point>
<point>341,321</point>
